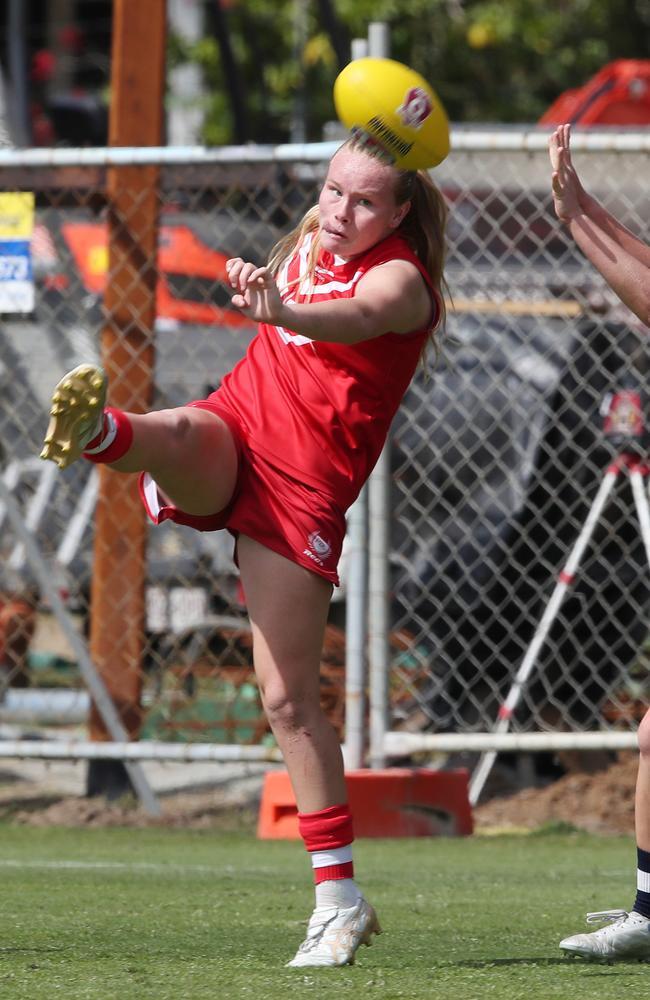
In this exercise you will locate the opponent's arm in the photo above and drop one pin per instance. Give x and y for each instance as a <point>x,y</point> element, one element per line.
<point>390,297</point>
<point>615,229</point>
<point>622,259</point>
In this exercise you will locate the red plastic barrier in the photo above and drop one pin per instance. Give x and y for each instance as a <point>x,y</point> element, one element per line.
<point>396,802</point>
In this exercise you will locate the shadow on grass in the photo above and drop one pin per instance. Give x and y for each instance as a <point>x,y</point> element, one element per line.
<point>489,963</point>
<point>589,968</point>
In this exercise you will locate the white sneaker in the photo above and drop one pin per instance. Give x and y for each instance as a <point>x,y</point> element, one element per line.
<point>627,935</point>
<point>76,414</point>
<point>335,933</point>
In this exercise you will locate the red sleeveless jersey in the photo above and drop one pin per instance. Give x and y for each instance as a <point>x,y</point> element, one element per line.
<point>321,411</point>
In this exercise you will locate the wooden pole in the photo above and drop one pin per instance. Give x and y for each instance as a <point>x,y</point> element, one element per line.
<point>136,119</point>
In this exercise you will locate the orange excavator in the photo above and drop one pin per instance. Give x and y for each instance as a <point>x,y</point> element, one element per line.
<point>619,94</point>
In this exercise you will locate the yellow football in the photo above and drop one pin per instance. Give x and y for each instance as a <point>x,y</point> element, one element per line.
<point>397,108</point>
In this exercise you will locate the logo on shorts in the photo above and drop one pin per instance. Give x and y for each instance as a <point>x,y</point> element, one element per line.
<point>415,108</point>
<point>319,548</point>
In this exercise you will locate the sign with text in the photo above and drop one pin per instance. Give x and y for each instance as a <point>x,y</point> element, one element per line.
<point>16,229</point>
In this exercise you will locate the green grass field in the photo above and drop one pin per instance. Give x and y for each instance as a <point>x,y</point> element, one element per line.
<point>159,914</point>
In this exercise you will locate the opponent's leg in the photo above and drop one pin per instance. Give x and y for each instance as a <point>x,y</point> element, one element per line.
<point>188,451</point>
<point>642,822</point>
<point>288,605</point>
<point>642,801</point>
<point>627,935</point>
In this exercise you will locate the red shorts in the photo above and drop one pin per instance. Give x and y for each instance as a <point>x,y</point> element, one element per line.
<point>269,506</point>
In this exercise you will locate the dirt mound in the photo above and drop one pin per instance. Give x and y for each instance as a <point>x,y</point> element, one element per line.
<point>601,802</point>
<point>191,811</point>
<point>229,802</point>
<point>598,803</point>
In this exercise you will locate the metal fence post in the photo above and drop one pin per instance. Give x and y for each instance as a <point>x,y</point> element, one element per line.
<point>118,608</point>
<point>378,607</point>
<point>379,539</point>
<point>356,608</point>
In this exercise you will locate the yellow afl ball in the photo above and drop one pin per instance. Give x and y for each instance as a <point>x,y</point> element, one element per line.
<point>397,108</point>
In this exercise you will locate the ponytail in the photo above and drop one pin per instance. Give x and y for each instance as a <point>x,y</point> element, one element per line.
<point>423,228</point>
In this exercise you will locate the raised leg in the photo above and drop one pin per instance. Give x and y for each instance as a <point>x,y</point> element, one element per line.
<point>188,451</point>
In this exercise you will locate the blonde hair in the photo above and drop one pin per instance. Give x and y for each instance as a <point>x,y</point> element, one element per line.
<point>423,227</point>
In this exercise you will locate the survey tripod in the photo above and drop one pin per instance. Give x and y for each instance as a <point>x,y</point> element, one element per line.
<point>624,426</point>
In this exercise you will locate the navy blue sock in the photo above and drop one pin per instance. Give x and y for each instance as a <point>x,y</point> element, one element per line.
<point>642,901</point>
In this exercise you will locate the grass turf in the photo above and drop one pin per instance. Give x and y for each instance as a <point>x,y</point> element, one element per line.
<point>168,915</point>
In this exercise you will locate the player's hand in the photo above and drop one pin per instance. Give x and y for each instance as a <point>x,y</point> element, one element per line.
<point>567,190</point>
<point>256,292</point>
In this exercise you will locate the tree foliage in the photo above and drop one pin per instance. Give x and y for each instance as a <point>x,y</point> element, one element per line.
<point>489,60</point>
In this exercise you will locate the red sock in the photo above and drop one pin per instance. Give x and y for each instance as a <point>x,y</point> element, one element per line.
<point>114,440</point>
<point>328,836</point>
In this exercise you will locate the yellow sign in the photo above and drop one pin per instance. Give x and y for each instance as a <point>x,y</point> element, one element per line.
<point>16,215</point>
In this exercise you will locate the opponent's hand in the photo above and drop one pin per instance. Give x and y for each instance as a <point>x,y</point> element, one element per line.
<point>567,190</point>
<point>256,292</point>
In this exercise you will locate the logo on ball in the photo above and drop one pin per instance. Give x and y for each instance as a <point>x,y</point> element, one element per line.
<point>415,108</point>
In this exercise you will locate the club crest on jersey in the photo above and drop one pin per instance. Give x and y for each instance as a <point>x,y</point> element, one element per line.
<point>415,108</point>
<point>319,548</point>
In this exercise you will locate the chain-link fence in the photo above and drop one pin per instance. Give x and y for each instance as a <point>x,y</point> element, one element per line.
<point>495,457</point>
<point>498,457</point>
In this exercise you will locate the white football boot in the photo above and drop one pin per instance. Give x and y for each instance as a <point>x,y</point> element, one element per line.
<point>334,934</point>
<point>626,936</point>
<point>76,414</point>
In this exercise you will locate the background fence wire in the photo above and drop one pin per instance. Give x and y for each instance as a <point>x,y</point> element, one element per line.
<point>496,454</point>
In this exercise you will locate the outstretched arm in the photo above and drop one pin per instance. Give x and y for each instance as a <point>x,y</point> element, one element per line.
<point>622,259</point>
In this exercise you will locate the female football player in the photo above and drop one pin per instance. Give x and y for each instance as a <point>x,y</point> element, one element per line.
<point>346,307</point>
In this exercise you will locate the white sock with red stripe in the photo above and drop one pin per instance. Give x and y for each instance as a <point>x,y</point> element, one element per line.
<point>113,440</point>
<point>105,437</point>
<point>332,891</point>
<point>328,837</point>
